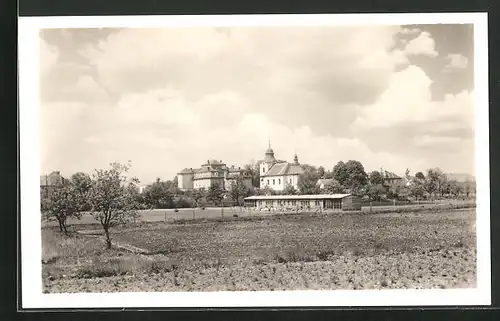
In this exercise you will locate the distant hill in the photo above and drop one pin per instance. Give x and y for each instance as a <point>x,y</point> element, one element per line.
<point>460,177</point>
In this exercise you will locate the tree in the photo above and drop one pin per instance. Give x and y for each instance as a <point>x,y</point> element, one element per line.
<point>308,181</point>
<point>289,190</point>
<point>254,172</point>
<point>65,202</point>
<point>376,178</point>
<point>340,173</point>
<point>469,187</point>
<point>375,191</point>
<point>321,172</point>
<point>198,195</point>
<point>113,200</point>
<point>215,194</point>
<point>420,176</point>
<point>160,194</point>
<point>417,188</point>
<point>237,190</point>
<point>82,183</point>
<point>333,187</point>
<point>433,181</point>
<point>328,175</point>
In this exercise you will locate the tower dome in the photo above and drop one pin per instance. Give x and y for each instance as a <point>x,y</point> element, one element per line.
<point>269,158</point>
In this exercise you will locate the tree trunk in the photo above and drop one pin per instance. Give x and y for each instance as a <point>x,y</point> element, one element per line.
<point>108,238</point>
<point>65,228</point>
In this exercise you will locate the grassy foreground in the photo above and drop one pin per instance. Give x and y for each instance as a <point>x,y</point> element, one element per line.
<point>288,252</point>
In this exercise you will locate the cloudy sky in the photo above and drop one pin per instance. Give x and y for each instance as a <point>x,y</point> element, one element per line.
<point>389,96</point>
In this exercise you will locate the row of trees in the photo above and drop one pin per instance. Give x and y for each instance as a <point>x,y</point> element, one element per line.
<point>109,196</point>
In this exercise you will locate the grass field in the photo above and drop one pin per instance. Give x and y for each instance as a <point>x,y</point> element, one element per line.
<point>169,215</point>
<point>426,249</point>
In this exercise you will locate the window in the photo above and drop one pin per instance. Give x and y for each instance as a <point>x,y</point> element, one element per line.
<point>279,181</point>
<point>294,203</point>
<point>273,181</point>
<point>290,181</point>
<point>267,182</point>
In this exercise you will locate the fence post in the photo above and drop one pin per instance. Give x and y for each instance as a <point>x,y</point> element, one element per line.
<point>370,206</point>
<point>165,220</point>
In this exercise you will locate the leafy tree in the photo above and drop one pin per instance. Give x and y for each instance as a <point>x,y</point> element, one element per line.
<point>375,191</point>
<point>417,188</point>
<point>113,200</point>
<point>433,181</point>
<point>82,183</point>
<point>321,172</point>
<point>289,190</point>
<point>65,202</point>
<point>376,178</point>
<point>308,181</point>
<point>469,187</point>
<point>237,190</point>
<point>253,172</point>
<point>215,194</point>
<point>328,175</point>
<point>160,194</point>
<point>333,187</point>
<point>420,176</point>
<point>340,173</point>
<point>199,195</point>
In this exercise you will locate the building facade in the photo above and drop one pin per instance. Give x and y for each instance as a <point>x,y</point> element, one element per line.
<point>211,173</point>
<point>391,179</point>
<point>339,202</point>
<point>48,183</point>
<point>276,174</point>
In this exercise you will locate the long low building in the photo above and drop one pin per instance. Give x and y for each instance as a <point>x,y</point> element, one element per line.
<point>341,202</point>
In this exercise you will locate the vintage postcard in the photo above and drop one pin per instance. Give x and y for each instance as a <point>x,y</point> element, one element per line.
<point>254,161</point>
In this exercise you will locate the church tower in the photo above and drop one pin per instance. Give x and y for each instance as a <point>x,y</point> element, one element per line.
<point>269,160</point>
<point>296,159</point>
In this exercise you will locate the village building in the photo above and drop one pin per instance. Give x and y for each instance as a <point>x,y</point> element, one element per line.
<point>211,173</point>
<point>340,202</point>
<point>323,182</point>
<point>48,183</point>
<point>277,174</point>
<point>391,179</point>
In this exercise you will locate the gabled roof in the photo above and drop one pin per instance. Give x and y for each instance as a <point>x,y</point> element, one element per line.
<point>280,169</point>
<point>389,175</point>
<point>325,181</point>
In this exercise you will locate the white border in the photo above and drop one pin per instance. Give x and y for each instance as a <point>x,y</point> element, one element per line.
<point>32,296</point>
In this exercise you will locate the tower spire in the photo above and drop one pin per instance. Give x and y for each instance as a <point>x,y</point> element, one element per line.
<point>269,141</point>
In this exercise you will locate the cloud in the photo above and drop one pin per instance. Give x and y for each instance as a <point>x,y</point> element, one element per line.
<point>456,61</point>
<point>49,56</point>
<point>408,100</point>
<point>423,44</point>
<point>171,98</point>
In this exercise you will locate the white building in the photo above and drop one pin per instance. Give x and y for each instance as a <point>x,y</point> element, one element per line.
<point>277,174</point>
<point>210,173</point>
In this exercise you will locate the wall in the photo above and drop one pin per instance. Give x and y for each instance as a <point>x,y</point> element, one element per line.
<point>351,203</point>
<point>185,181</point>
<point>280,182</point>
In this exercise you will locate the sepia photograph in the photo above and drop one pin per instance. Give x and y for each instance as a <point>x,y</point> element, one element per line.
<point>318,158</point>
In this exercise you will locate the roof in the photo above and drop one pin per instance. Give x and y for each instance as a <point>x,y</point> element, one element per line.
<point>389,175</point>
<point>186,171</point>
<point>297,197</point>
<point>280,169</point>
<point>53,179</point>
<point>325,181</point>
